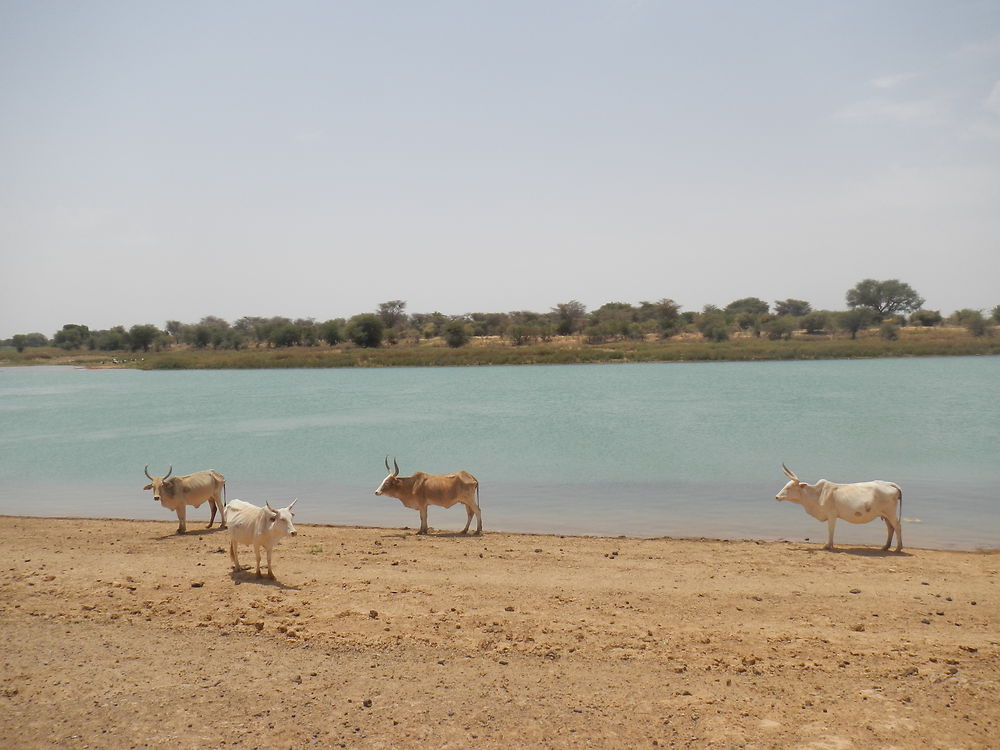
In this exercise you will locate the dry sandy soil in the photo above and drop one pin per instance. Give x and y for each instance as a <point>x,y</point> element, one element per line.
<point>120,634</point>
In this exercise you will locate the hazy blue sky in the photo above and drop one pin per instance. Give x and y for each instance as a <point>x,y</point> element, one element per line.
<point>171,160</point>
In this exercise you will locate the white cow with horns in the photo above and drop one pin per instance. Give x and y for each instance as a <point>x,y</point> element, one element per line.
<point>860,502</point>
<point>260,527</point>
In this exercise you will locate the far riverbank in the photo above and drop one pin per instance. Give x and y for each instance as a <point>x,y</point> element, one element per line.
<point>911,342</point>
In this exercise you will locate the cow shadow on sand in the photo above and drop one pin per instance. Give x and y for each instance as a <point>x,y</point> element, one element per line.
<point>188,533</point>
<point>247,575</point>
<point>855,551</point>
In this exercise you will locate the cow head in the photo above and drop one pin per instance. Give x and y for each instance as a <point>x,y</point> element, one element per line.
<point>281,519</point>
<point>391,481</point>
<point>793,490</point>
<point>159,484</point>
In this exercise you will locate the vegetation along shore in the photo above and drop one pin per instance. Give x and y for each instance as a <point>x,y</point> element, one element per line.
<point>883,319</point>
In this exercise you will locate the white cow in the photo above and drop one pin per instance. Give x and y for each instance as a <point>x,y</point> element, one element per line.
<point>261,527</point>
<point>857,503</point>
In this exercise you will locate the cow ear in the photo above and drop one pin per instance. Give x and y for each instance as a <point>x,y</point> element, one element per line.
<point>803,484</point>
<point>148,487</point>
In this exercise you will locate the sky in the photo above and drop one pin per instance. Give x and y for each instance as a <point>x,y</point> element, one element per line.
<point>175,159</point>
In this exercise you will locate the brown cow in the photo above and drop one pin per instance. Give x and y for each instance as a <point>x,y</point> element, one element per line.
<point>422,490</point>
<point>194,489</point>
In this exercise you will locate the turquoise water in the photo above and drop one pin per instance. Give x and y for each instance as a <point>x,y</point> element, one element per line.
<point>646,450</point>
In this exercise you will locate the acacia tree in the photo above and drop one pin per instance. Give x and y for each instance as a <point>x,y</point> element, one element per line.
<point>884,297</point>
<point>570,317</point>
<point>797,308</point>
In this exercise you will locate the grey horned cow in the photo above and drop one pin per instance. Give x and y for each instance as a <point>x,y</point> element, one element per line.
<point>422,490</point>
<point>860,502</point>
<point>176,493</point>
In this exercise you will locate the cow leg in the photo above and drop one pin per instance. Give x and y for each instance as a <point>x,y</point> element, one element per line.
<point>256,551</point>
<point>270,571</point>
<point>479,521</point>
<point>222,512</point>
<point>891,528</point>
<point>468,520</point>
<point>182,519</point>
<point>211,505</point>
<point>830,524</point>
<point>234,555</point>
<point>423,520</point>
<point>899,535</point>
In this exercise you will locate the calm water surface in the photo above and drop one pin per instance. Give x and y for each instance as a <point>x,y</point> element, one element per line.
<point>642,450</point>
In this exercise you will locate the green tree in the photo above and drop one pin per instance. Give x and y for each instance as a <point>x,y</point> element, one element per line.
<point>712,324</point>
<point>72,336</point>
<point>570,317</point>
<point>750,305</point>
<point>142,336</point>
<point>884,297</point>
<point>665,315</point>
<point>797,308</point>
<point>366,330</point>
<point>996,314</point>
<point>19,341</point>
<point>781,327</point>
<point>288,334</point>
<point>332,331</point>
<point>855,320</point>
<point>393,314</point>
<point>456,333</point>
<point>815,322</point>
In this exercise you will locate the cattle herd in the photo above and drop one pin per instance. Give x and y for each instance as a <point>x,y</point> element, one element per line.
<point>263,528</point>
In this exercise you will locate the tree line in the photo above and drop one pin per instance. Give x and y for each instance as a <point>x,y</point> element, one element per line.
<point>888,304</point>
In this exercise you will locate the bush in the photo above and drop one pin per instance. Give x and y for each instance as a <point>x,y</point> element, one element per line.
<point>366,330</point>
<point>712,325</point>
<point>889,331</point>
<point>926,318</point>
<point>780,328</point>
<point>816,322</point>
<point>456,334</point>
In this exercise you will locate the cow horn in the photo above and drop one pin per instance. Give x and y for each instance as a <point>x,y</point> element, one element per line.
<point>789,473</point>
<point>387,464</point>
<point>396,472</point>
<point>293,503</point>
<point>147,473</point>
<point>169,471</point>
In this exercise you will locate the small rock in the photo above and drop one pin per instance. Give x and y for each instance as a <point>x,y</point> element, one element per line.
<point>197,584</point>
<point>859,628</point>
<point>367,703</point>
<point>297,679</point>
<point>508,609</point>
<point>373,614</point>
<point>855,591</point>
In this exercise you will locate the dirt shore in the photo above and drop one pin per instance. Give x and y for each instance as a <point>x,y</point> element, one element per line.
<point>120,634</point>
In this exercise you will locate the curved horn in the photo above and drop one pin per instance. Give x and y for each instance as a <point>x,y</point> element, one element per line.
<point>293,503</point>
<point>789,473</point>
<point>169,471</point>
<point>396,472</point>
<point>147,473</point>
<point>388,470</point>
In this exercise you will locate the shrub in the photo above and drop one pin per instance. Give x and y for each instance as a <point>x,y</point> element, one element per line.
<point>889,331</point>
<point>780,328</point>
<point>456,334</point>
<point>816,322</point>
<point>926,318</point>
<point>366,330</point>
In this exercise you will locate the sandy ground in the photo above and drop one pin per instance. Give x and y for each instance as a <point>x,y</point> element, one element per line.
<point>120,634</point>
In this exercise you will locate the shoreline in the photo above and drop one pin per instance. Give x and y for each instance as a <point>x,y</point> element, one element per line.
<point>120,633</point>
<point>195,524</point>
